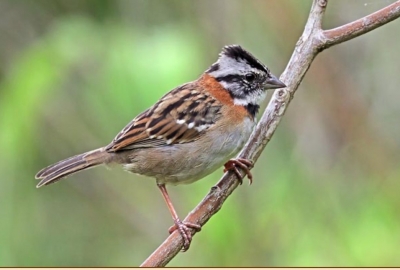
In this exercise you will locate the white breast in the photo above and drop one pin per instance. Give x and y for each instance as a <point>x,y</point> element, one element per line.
<point>207,155</point>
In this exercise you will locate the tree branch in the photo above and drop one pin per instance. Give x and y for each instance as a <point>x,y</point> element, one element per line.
<point>361,26</point>
<point>312,41</point>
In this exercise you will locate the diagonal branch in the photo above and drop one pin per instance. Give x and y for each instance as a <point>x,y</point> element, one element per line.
<point>361,26</point>
<point>312,41</point>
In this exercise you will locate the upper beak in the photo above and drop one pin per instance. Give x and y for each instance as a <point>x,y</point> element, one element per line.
<point>274,83</point>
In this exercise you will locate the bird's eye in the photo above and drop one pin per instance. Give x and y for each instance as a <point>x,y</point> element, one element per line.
<point>250,77</point>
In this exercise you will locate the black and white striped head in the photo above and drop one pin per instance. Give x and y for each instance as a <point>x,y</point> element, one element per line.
<point>243,76</point>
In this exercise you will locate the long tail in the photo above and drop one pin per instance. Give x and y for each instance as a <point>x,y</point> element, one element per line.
<point>57,171</point>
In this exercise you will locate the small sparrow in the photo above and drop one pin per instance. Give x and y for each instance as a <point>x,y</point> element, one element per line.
<point>189,133</point>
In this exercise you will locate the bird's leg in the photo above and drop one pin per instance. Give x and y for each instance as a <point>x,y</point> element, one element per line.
<point>182,227</point>
<point>244,164</point>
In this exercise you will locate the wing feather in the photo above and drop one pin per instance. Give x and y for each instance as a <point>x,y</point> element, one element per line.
<point>181,116</point>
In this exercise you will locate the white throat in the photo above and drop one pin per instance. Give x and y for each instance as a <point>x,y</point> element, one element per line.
<point>253,98</point>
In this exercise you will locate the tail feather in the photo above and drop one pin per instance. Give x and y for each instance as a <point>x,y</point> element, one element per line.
<point>63,168</point>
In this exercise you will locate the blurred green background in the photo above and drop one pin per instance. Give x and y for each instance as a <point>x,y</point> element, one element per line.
<point>73,73</point>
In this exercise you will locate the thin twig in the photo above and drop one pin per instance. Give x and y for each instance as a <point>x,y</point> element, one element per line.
<point>309,45</point>
<point>362,26</point>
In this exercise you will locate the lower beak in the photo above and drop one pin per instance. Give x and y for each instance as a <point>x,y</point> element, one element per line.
<point>273,83</point>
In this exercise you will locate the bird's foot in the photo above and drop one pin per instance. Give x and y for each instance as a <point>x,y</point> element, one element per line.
<point>184,229</point>
<point>244,164</point>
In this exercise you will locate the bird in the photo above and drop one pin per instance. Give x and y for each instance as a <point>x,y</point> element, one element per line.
<point>189,132</point>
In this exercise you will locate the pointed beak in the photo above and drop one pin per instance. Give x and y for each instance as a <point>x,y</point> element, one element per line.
<point>273,83</point>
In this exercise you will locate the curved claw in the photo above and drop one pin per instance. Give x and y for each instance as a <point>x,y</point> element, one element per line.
<point>185,232</point>
<point>244,164</point>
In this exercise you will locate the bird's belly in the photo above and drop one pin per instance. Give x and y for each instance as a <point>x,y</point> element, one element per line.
<point>189,162</point>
